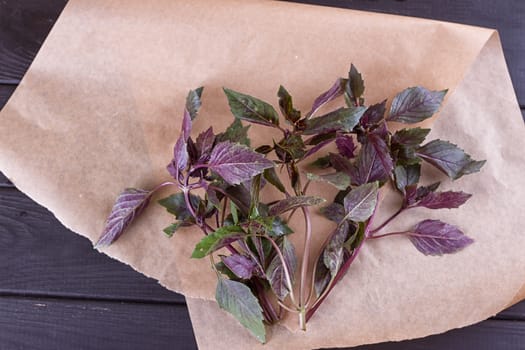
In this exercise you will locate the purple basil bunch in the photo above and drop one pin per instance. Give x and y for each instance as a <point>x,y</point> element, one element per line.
<point>246,239</point>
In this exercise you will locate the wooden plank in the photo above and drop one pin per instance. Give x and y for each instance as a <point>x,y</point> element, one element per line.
<point>506,16</point>
<point>71,324</point>
<point>5,92</point>
<point>488,335</point>
<point>515,312</point>
<point>39,256</point>
<point>23,27</point>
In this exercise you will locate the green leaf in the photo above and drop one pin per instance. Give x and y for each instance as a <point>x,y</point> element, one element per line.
<point>339,180</point>
<point>193,102</point>
<point>360,203</point>
<point>271,176</point>
<point>171,229</point>
<point>342,119</point>
<point>293,174</point>
<point>251,109</point>
<point>285,103</point>
<point>216,240</point>
<point>176,205</point>
<point>222,268</point>
<point>355,239</point>
<point>289,148</point>
<point>273,226</point>
<point>238,300</point>
<point>449,158</point>
<point>234,212</point>
<point>406,176</point>
<point>295,202</point>
<point>264,149</point>
<point>278,228</point>
<point>321,162</point>
<point>355,85</point>
<point>235,133</point>
<point>415,104</point>
<point>254,196</point>
<point>410,137</point>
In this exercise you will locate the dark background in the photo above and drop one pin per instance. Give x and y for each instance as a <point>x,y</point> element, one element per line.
<point>56,292</point>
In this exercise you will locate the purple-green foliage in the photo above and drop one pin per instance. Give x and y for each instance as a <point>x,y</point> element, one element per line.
<point>257,257</point>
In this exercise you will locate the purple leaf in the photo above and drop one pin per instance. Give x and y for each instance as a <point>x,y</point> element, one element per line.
<point>382,152</point>
<point>333,254</point>
<point>440,200</point>
<point>180,151</point>
<point>237,163</point>
<point>186,125</point>
<point>345,145</point>
<point>434,237</point>
<point>127,207</point>
<point>240,265</point>
<point>180,158</point>
<point>291,203</point>
<point>374,114</point>
<point>322,276</point>
<point>414,194</point>
<point>334,212</point>
<point>449,158</point>
<point>335,91</point>
<point>360,202</point>
<point>316,148</point>
<point>415,104</point>
<point>204,144</point>
<point>340,163</point>
<point>275,272</point>
<point>368,166</point>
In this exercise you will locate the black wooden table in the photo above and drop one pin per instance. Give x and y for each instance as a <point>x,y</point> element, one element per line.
<point>56,292</point>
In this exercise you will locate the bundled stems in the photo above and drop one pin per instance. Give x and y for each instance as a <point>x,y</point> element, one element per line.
<point>342,270</point>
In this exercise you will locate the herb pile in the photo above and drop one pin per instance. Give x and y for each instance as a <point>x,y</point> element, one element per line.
<point>259,277</point>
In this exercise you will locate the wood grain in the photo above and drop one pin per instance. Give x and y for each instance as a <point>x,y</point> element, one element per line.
<point>40,257</point>
<point>43,323</point>
<point>489,335</point>
<point>5,92</point>
<point>23,27</point>
<point>56,292</point>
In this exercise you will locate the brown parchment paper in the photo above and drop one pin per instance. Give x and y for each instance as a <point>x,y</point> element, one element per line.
<point>100,109</point>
